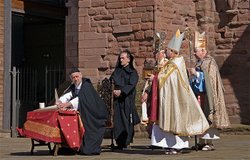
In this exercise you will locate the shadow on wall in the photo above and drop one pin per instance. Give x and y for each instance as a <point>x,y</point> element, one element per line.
<point>236,69</point>
<point>226,10</point>
<point>235,33</point>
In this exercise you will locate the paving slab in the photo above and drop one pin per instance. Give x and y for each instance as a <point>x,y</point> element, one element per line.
<point>229,147</point>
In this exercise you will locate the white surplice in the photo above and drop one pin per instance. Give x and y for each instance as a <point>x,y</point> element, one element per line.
<point>164,139</point>
<point>180,115</point>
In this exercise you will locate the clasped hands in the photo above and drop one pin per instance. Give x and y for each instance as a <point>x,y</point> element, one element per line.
<point>150,76</point>
<point>117,93</point>
<point>192,72</point>
<point>64,106</point>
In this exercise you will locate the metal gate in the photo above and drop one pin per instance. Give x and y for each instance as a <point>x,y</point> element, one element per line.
<point>31,85</point>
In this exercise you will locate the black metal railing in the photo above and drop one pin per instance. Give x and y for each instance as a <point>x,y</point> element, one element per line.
<point>31,85</point>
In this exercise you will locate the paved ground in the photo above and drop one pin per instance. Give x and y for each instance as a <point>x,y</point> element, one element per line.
<point>230,147</point>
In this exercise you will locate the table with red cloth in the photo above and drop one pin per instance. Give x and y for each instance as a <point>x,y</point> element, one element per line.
<point>55,126</point>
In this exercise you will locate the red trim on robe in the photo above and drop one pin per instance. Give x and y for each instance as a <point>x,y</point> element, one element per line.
<point>154,109</point>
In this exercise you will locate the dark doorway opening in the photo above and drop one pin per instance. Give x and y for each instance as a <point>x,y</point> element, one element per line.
<point>38,53</point>
<point>37,40</point>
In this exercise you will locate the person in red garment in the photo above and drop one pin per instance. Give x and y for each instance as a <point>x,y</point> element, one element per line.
<point>150,95</point>
<point>83,97</point>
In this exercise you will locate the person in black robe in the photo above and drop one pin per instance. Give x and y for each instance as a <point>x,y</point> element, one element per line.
<point>82,96</point>
<point>125,79</point>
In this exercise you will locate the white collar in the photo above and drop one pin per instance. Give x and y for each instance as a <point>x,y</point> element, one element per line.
<point>79,86</point>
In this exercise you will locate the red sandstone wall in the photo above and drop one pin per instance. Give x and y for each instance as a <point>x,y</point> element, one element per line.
<point>106,26</point>
<point>171,15</point>
<point>71,39</point>
<point>97,29</point>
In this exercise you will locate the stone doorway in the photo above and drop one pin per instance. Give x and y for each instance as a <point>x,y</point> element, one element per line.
<point>38,44</point>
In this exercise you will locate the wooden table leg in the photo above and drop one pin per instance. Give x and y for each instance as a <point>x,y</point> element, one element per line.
<point>32,146</point>
<point>56,148</point>
<point>49,146</point>
<point>35,142</point>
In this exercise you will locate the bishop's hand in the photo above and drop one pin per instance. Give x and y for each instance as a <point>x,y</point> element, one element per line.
<point>192,72</point>
<point>144,97</point>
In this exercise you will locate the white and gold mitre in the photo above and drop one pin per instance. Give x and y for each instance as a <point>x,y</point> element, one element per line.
<point>200,40</point>
<point>176,41</point>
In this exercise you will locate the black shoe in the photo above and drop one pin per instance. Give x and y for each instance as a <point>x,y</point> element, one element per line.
<point>154,147</point>
<point>66,151</point>
<point>198,147</point>
<point>120,147</point>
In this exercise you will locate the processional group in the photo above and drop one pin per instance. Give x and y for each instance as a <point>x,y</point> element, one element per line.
<point>178,102</point>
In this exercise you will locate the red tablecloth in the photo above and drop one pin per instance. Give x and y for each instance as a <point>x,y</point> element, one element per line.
<point>54,126</point>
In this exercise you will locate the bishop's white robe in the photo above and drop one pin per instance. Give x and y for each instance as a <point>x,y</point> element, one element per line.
<point>180,115</point>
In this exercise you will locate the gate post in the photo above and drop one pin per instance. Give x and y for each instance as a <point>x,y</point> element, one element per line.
<point>14,108</point>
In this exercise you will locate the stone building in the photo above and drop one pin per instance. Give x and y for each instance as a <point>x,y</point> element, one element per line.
<point>90,33</point>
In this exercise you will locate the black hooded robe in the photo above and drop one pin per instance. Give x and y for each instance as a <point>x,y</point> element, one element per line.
<point>94,114</point>
<point>125,114</point>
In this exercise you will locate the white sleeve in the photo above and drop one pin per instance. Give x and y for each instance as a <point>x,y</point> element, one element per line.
<point>75,102</point>
<point>66,97</point>
<point>197,74</point>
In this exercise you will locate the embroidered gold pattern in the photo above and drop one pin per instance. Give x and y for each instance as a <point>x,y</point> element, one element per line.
<point>167,70</point>
<point>42,129</point>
